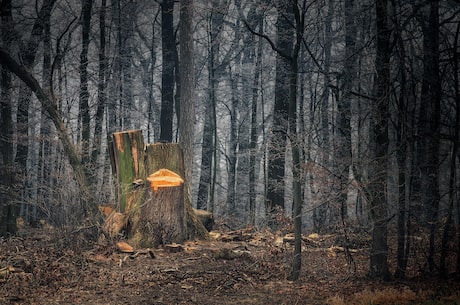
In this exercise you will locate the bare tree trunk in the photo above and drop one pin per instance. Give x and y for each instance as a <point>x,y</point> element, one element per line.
<point>84,111</point>
<point>320,212</point>
<point>167,78</point>
<point>206,158</point>
<point>187,113</point>
<point>101,87</point>
<point>232,148</point>
<point>402,148</point>
<point>430,126</point>
<point>44,154</point>
<point>254,122</point>
<point>343,149</point>
<point>8,208</point>
<point>453,168</point>
<point>126,53</point>
<point>377,187</point>
<point>277,141</point>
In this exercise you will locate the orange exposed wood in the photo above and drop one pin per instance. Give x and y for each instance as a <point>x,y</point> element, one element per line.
<point>106,209</point>
<point>125,247</point>
<point>164,178</point>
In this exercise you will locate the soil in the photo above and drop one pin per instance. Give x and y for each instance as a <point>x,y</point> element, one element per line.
<point>249,266</point>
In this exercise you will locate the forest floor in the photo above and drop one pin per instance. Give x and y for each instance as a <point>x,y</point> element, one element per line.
<point>58,266</point>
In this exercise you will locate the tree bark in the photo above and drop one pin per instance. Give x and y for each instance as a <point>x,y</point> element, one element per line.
<point>343,147</point>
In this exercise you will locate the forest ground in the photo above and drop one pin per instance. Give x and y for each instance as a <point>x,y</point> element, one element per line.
<point>249,266</point>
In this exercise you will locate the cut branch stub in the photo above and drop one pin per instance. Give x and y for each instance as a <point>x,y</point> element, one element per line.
<point>164,178</point>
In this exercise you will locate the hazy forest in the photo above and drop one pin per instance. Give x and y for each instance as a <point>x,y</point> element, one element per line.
<point>322,135</point>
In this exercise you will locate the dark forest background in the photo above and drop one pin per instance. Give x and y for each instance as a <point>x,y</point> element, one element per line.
<point>337,115</point>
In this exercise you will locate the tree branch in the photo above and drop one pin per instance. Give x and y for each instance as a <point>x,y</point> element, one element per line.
<point>272,44</point>
<point>50,107</point>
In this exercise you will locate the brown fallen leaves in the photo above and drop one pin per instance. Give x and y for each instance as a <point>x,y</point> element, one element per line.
<point>234,267</point>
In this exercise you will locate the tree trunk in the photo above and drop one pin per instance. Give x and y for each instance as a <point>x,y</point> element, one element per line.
<point>187,94</point>
<point>167,77</point>
<point>277,145</point>
<point>253,139</point>
<point>84,111</point>
<point>8,209</point>
<point>320,212</point>
<point>206,159</point>
<point>232,148</point>
<point>46,133</point>
<point>343,148</point>
<point>101,88</point>
<point>447,235</point>
<point>126,58</point>
<point>402,149</point>
<point>430,127</point>
<point>377,187</point>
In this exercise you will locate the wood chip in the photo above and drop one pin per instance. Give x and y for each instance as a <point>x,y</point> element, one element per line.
<point>125,247</point>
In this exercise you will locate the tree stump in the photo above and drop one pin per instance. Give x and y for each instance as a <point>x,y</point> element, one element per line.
<point>170,156</point>
<point>128,164</point>
<point>160,219</point>
<point>145,209</point>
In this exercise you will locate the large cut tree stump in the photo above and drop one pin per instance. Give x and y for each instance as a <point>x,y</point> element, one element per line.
<point>160,219</point>
<point>170,156</point>
<point>145,209</point>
